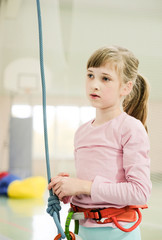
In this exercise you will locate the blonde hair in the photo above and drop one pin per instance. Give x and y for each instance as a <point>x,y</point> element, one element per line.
<point>126,64</point>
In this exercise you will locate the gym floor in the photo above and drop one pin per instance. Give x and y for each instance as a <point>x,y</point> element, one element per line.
<point>27,219</point>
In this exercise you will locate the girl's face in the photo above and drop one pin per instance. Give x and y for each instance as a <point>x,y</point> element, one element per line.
<point>103,87</point>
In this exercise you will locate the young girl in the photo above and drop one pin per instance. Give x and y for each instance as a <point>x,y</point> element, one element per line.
<point>111,151</point>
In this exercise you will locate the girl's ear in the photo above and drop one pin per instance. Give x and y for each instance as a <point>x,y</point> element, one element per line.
<point>126,88</point>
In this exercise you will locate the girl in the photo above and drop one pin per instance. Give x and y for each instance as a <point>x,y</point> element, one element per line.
<point>111,151</point>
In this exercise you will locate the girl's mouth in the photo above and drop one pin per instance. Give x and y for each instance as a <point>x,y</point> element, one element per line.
<point>94,96</point>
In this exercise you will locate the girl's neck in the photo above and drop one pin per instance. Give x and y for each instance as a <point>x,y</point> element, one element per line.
<point>103,116</point>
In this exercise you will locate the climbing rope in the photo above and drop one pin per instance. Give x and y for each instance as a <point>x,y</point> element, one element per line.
<point>53,201</point>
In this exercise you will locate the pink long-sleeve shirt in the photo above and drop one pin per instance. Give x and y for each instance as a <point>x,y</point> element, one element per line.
<point>115,157</point>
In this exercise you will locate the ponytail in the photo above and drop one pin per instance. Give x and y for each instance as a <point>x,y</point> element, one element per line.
<point>135,104</point>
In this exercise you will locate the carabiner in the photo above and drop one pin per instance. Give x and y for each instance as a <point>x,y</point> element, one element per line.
<point>71,235</point>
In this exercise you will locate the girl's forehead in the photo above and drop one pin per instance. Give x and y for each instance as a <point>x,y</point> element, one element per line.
<point>107,67</point>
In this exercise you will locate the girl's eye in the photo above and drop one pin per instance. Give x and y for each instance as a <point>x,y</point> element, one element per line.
<point>90,75</point>
<point>106,79</point>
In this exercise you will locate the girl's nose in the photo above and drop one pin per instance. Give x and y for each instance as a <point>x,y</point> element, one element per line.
<point>95,85</point>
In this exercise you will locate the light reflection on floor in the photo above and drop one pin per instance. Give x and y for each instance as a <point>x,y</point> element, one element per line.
<point>44,226</point>
<point>27,219</point>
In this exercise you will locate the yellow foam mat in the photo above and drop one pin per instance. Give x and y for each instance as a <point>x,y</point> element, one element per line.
<point>32,187</point>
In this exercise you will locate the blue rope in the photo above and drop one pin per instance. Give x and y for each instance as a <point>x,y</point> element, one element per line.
<point>53,201</point>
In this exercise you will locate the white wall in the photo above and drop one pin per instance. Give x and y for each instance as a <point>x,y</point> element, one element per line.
<point>85,25</point>
<point>4,132</point>
<point>155,135</point>
<point>72,29</point>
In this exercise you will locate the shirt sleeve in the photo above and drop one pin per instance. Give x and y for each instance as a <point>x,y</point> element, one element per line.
<point>136,165</point>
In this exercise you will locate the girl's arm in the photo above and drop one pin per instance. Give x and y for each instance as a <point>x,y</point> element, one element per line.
<point>136,164</point>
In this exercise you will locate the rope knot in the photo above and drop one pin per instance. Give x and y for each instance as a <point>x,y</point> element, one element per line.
<point>53,205</point>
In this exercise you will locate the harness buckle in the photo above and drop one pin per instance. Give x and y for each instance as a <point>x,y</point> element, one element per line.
<point>97,214</point>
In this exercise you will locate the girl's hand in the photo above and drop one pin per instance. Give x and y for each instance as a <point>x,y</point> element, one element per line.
<point>63,174</point>
<point>63,186</point>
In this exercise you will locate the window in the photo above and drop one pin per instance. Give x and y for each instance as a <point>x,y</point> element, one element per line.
<point>62,122</point>
<point>38,131</point>
<point>21,111</point>
<point>67,121</point>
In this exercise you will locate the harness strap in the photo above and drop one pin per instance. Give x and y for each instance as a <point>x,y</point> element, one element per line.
<point>131,228</point>
<point>107,215</point>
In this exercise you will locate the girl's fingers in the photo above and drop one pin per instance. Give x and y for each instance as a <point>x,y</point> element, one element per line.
<point>63,174</point>
<point>61,196</point>
<point>57,192</point>
<point>54,181</point>
<point>56,187</point>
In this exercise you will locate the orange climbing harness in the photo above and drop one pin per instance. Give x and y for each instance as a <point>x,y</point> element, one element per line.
<point>107,215</point>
